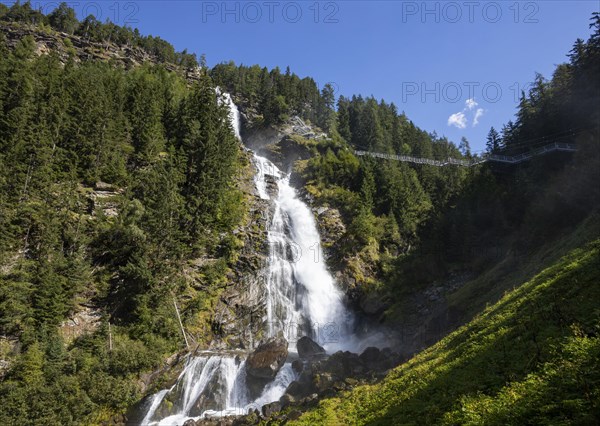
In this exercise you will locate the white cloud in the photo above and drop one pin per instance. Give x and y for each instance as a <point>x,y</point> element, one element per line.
<point>470,103</point>
<point>478,115</point>
<point>458,120</point>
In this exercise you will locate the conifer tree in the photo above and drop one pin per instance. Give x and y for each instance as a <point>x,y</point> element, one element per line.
<point>493,141</point>
<point>63,19</point>
<point>343,119</point>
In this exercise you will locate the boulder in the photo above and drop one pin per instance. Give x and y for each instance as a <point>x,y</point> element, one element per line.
<point>311,400</point>
<point>267,359</point>
<point>103,186</point>
<point>299,390</point>
<point>308,348</point>
<point>370,358</point>
<point>344,364</point>
<point>286,400</point>
<point>298,366</point>
<point>272,408</point>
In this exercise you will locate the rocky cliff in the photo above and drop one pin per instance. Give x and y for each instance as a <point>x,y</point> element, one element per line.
<point>81,49</point>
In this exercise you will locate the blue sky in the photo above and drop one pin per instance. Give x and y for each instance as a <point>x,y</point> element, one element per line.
<point>429,58</point>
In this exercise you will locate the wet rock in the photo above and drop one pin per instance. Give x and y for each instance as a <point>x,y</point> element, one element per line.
<point>211,398</point>
<point>286,400</point>
<point>298,366</point>
<point>344,364</point>
<point>299,390</point>
<point>308,348</point>
<point>270,409</point>
<point>271,186</point>
<point>267,359</point>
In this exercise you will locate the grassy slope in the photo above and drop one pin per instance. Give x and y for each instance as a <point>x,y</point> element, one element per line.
<point>530,358</point>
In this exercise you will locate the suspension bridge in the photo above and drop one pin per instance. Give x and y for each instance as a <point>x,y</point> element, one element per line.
<point>507,159</point>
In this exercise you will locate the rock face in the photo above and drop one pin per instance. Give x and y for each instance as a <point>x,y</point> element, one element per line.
<point>240,312</point>
<point>308,348</point>
<point>267,359</point>
<point>272,188</point>
<point>85,321</point>
<point>286,151</point>
<point>331,225</point>
<point>81,49</point>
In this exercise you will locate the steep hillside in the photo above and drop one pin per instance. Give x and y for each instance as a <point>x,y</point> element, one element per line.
<point>530,358</point>
<point>124,196</point>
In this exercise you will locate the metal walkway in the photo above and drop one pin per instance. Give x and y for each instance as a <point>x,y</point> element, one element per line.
<point>556,146</point>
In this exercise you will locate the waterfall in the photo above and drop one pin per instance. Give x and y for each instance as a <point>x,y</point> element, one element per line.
<point>155,402</point>
<point>301,299</point>
<point>234,112</point>
<point>234,115</point>
<point>210,384</point>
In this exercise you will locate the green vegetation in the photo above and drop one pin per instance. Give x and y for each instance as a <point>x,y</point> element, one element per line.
<point>276,96</point>
<point>111,181</point>
<point>383,204</point>
<point>520,208</point>
<point>532,358</point>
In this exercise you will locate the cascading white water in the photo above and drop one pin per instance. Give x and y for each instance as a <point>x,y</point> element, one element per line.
<point>208,385</point>
<point>301,299</point>
<point>234,115</point>
<point>154,403</point>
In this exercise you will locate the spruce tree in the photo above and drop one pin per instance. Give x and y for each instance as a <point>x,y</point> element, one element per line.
<point>493,141</point>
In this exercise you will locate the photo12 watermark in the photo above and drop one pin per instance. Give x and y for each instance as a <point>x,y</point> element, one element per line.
<point>453,12</point>
<point>269,12</point>
<point>117,12</point>
<point>292,252</point>
<point>457,91</point>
